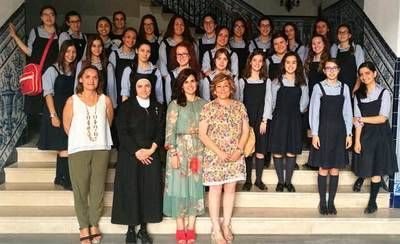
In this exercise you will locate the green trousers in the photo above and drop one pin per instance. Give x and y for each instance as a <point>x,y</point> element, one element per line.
<point>88,171</point>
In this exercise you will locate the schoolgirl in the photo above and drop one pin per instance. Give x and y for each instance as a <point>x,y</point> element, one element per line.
<point>265,28</point>
<point>119,25</point>
<point>73,23</point>
<point>207,41</point>
<point>177,31</point>
<point>103,28</point>
<point>148,30</point>
<point>95,55</point>
<point>221,64</point>
<point>289,100</point>
<point>374,148</point>
<point>279,44</point>
<point>295,44</point>
<point>142,68</point>
<point>239,42</point>
<point>331,123</point>
<point>255,93</point>
<point>58,85</point>
<point>349,55</point>
<point>123,57</point>
<point>37,40</point>
<point>222,41</point>
<point>323,27</point>
<point>313,66</point>
<point>183,57</point>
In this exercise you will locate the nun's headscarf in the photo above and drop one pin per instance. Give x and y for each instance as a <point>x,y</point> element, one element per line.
<point>133,85</point>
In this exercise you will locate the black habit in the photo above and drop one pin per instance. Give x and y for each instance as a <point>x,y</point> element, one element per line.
<point>137,187</point>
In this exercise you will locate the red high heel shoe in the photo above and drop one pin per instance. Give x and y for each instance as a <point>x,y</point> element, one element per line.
<point>180,237</point>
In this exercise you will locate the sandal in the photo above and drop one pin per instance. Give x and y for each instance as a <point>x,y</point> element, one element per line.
<point>180,237</point>
<point>190,236</point>
<point>85,239</point>
<point>227,229</point>
<point>96,237</point>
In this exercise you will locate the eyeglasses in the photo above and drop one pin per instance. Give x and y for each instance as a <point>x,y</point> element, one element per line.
<point>181,55</point>
<point>332,69</point>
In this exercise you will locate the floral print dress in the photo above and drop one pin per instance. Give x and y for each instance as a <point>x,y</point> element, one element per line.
<point>184,193</point>
<point>224,129</point>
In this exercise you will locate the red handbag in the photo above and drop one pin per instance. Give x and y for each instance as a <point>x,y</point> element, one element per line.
<point>30,81</point>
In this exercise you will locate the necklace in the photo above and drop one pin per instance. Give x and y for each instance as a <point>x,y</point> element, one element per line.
<point>92,137</point>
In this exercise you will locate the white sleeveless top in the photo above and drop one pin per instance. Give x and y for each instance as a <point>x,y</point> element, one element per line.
<point>78,139</point>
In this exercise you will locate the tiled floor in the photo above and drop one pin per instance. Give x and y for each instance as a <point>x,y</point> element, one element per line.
<point>243,239</point>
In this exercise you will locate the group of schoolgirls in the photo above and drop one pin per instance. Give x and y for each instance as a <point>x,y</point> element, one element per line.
<point>270,81</point>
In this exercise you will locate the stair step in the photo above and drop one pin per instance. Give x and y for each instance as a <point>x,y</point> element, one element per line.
<point>47,194</point>
<point>245,221</point>
<point>32,154</point>
<point>20,173</point>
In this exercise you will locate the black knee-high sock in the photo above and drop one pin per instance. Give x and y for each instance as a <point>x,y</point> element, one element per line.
<point>65,170</point>
<point>374,192</point>
<point>58,170</point>
<point>249,167</point>
<point>333,185</point>
<point>278,163</point>
<point>290,163</point>
<point>259,169</point>
<point>322,188</point>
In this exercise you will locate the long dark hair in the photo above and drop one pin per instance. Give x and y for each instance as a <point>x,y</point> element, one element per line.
<point>192,54</point>
<point>177,91</point>
<point>88,58</point>
<point>52,8</point>
<point>135,62</point>
<point>247,69</point>
<point>296,31</point>
<point>328,34</point>
<point>141,33</point>
<point>170,29</point>
<point>351,40</point>
<point>311,54</point>
<point>219,29</point>
<point>79,86</point>
<point>221,51</point>
<point>60,59</point>
<point>246,28</point>
<point>299,79</point>
<point>362,90</point>
<point>105,19</point>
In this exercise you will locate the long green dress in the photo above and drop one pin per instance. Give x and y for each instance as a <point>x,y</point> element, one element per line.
<point>184,193</point>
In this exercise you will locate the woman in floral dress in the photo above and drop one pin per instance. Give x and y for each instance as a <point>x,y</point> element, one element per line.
<point>184,194</point>
<point>224,129</point>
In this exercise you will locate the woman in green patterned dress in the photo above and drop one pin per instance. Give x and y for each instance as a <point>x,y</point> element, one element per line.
<point>184,194</point>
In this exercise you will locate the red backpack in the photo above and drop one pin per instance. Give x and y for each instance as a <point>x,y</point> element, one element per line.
<point>30,81</point>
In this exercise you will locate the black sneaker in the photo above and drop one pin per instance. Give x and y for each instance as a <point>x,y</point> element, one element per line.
<point>247,186</point>
<point>290,187</point>
<point>332,209</point>
<point>279,187</point>
<point>371,208</point>
<point>358,184</point>
<point>261,186</point>
<point>130,236</point>
<point>144,236</point>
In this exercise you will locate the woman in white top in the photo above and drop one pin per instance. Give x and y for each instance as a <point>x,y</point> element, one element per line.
<point>87,118</point>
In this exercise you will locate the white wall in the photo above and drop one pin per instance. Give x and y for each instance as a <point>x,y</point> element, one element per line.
<point>272,7</point>
<point>7,8</point>
<point>386,18</point>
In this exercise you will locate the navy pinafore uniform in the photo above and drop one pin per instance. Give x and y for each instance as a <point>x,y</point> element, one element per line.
<point>242,54</point>
<point>348,68</point>
<point>120,65</point>
<point>284,132</point>
<point>377,155</point>
<point>332,133</point>
<point>203,48</point>
<point>253,100</point>
<point>53,138</point>
<point>273,69</point>
<point>80,45</point>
